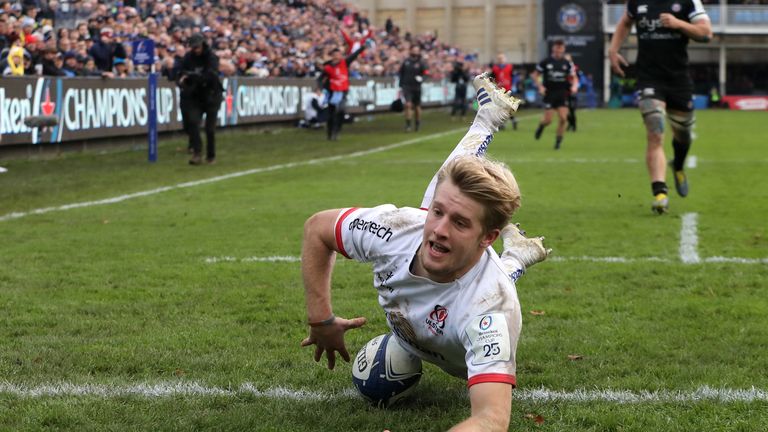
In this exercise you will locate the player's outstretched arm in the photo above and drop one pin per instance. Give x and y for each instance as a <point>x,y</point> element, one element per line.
<point>491,408</point>
<point>318,255</point>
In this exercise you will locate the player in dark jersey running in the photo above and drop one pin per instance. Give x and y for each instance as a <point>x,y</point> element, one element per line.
<point>663,30</point>
<point>412,73</point>
<point>573,98</point>
<point>558,79</point>
<point>501,71</point>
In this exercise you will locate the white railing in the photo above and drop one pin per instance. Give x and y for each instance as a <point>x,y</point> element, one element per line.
<point>726,19</point>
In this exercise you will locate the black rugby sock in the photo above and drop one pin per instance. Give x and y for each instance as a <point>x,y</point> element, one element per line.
<point>681,151</point>
<point>659,187</point>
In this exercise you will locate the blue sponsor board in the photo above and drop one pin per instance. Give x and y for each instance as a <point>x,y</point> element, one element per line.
<point>144,52</point>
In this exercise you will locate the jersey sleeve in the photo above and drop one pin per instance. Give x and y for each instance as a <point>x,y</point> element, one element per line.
<point>490,340</point>
<point>697,11</point>
<point>541,67</point>
<point>631,9</point>
<point>359,233</point>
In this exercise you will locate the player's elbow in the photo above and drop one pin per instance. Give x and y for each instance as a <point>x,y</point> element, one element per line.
<point>311,225</point>
<point>318,229</point>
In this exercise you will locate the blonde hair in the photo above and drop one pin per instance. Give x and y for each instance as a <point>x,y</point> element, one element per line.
<point>488,182</point>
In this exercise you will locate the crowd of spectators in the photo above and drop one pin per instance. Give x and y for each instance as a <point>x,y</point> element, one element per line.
<point>262,38</point>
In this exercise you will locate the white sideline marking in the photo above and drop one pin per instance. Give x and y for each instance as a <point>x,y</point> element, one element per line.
<point>691,161</point>
<point>720,259</point>
<point>621,260</point>
<point>18,215</point>
<point>704,393</point>
<point>689,239</point>
<point>272,259</point>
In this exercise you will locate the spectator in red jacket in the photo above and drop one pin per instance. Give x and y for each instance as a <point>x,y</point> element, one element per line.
<point>501,71</point>
<point>335,81</point>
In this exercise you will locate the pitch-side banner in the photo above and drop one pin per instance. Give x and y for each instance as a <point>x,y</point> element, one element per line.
<point>92,108</point>
<point>578,23</point>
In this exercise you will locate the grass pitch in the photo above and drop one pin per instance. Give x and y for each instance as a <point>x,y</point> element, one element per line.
<point>179,306</point>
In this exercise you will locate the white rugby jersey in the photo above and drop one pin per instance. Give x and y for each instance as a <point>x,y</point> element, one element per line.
<point>469,327</point>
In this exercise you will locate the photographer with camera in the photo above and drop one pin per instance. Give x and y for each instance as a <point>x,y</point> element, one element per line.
<point>201,93</point>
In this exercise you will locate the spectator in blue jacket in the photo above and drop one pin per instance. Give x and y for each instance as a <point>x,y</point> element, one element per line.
<point>104,50</point>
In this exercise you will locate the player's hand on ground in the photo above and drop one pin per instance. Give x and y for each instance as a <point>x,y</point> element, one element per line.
<point>618,63</point>
<point>528,251</point>
<point>330,339</point>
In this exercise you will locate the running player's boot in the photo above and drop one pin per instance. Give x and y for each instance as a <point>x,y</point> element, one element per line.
<point>681,180</point>
<point>660,203</point>
<point>528,251</point>
<point>494,105</point>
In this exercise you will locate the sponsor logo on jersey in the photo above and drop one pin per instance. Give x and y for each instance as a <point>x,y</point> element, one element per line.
<point>486,322</point>
<point>571,17</point>
<point>436,320</point>
<point>489,338</point>
<point>404,331</point>
<point>641,9</point>
<point>649,24</point>
<point>380,231</point>
<point>383,277</point>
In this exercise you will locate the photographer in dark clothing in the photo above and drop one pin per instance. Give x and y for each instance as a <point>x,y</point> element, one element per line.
<point>460,77</point>
<point>411,74</point>
<point>201,93</point>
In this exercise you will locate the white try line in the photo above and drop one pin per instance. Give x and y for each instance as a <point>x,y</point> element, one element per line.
<point>606,259</point>
<point>117,199</point>
<point>194,389</point>
<point>515,161</point>
<point>689,239</point>
<point>691,161</point>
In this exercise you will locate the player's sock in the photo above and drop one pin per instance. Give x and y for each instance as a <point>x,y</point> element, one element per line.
<point>417,124</point>
<point>659,187</point>
<point>517,247</point>
<point>539,130</point>
<point>558,141</point>
<point>681,151</point>
<point>407,125</point>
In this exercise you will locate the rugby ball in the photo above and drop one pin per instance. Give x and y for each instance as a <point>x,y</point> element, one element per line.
<point>384,372</point>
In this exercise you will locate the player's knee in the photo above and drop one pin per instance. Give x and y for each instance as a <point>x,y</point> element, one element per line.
<point>682,126</point>
<point>653,115</point>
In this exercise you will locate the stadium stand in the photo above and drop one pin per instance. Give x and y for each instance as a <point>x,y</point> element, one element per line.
<point>279,38</point>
